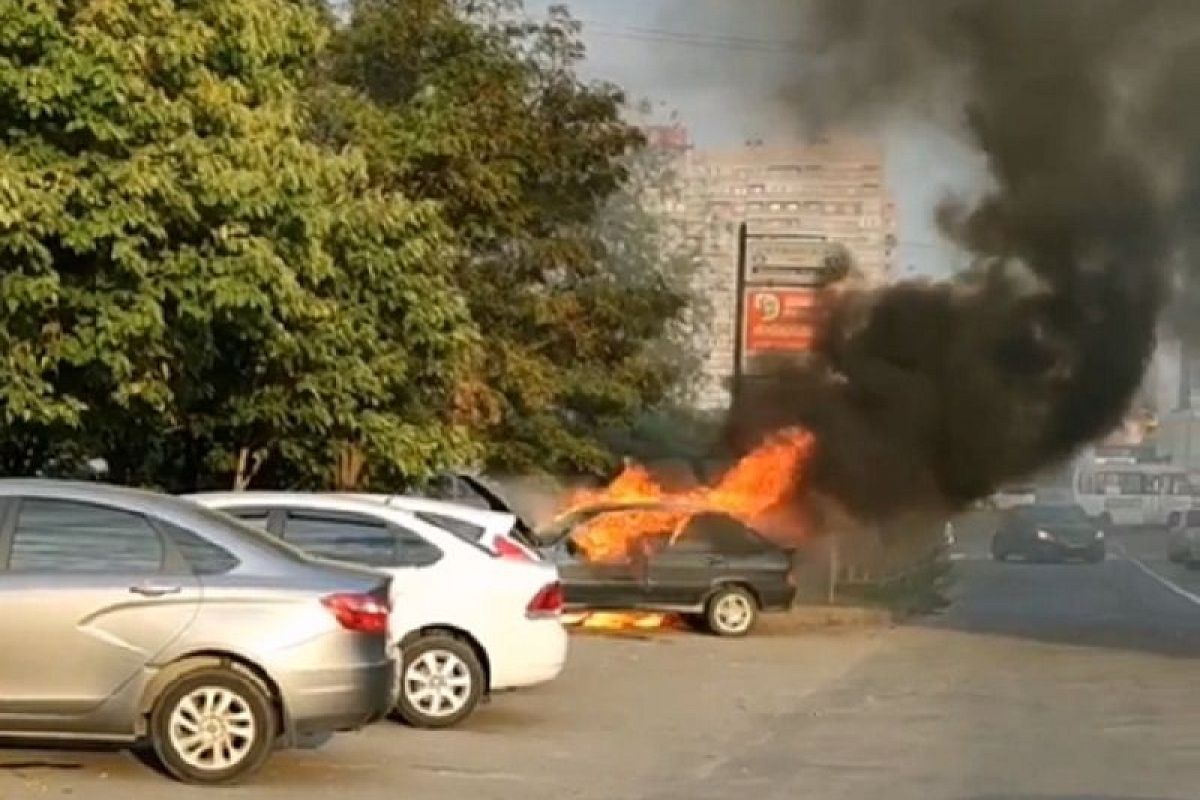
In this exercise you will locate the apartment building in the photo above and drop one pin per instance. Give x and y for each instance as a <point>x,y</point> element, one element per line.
<point>798,202</point>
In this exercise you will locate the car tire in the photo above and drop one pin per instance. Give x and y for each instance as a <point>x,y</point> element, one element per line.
<point>213,726</point>
<point>441,682</point>
<point>730,611</point>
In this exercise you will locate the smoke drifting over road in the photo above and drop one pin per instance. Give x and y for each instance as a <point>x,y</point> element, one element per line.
<point>932,394</point>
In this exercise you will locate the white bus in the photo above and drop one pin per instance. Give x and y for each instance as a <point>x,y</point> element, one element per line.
<point>1134,494</point>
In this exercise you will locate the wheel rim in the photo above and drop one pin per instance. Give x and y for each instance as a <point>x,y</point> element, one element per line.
<point>437,683</point>
<point>212,728</point>
<point>733,613</point>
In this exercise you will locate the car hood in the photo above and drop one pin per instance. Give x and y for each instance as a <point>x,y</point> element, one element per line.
<point>1070,533</point>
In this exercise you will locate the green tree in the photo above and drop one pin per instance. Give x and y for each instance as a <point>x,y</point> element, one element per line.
<point>470,105</point>
<point>191,287</point>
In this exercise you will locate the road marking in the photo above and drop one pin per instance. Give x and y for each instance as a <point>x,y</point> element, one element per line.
<point>1191,597</point>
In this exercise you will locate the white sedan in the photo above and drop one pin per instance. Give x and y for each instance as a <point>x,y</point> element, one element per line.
<point>471,613</point>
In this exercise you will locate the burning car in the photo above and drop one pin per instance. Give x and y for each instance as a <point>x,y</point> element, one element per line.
<point>705,564</point>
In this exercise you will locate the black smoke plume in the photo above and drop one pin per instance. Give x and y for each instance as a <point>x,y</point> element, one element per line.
<point>930,395</point>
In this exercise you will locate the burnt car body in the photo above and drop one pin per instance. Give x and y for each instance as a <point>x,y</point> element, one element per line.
<point>716,571</point>
<point>1048,532</point>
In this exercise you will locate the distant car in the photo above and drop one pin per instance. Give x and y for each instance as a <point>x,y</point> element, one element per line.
<point>136,617</point>
<point>1048,533</point>
<point>705,564</point>
<point>1014,497</point>
<point>468,618</point>
<point>1183,543</point>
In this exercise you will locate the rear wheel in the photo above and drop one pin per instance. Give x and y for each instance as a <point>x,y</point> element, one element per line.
<point>731,611</point>
<point>213,726</point>
<point>441,682</point>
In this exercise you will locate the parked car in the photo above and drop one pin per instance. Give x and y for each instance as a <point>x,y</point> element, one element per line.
<point>1183,542</point>
<point>1048,533</point>
<point>502,532</point>
<point>704,564</point>
<point>468,619</point>
<point>136,617</point>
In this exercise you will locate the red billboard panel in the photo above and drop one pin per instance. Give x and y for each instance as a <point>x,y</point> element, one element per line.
<point>781,320</point>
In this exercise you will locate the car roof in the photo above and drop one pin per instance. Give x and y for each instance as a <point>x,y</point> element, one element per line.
<point>85,491</point>
<point>325,500</point>
<point>482,516</point>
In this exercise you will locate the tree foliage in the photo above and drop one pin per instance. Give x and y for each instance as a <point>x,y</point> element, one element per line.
<point>188,281</point>
<point>474,107</point>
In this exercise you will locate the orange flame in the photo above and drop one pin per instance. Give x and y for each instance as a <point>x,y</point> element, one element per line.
<point>759,484</point>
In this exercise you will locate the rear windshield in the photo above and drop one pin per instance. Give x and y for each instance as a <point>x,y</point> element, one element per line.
<point>467,531</point>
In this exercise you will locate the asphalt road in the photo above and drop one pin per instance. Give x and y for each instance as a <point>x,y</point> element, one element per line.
<point>1046,682</point>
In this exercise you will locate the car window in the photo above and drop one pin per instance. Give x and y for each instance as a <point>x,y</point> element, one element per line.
<point>344,537</point>
<point>203,556</point>
<point>719,533</point>
<point>468,531</point>
<point>73,537</point>
<point>413,550</point>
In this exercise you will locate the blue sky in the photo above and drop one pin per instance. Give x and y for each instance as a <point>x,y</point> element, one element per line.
<point>724,66</point>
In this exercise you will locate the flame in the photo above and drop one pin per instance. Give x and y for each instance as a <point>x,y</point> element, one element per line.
<point>757,486</point>
<point>621,620</point>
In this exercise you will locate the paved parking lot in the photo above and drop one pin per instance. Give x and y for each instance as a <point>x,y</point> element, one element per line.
<point>630,717</point>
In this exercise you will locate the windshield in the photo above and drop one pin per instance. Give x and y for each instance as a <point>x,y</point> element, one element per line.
<point>1054,514</point>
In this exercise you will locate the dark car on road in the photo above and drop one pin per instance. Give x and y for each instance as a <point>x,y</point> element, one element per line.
<point>1183,543</point>
<point>1044,532</point>
<point>716,571</point>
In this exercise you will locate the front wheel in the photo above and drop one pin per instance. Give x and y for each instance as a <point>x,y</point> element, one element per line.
<point>441,682</point>
<point>731,611</point>
<point>213,726</point>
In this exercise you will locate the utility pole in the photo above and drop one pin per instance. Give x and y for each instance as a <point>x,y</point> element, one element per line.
<point>739,316</point>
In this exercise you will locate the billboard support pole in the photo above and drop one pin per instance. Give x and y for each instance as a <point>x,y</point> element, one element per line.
<point>739,317</point>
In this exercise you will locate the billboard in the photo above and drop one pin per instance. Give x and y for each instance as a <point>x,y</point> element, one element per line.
<point>780,321</point>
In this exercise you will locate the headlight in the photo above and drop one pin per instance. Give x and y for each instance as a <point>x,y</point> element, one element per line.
<point>1099,534</point>
<point>1044,536</point>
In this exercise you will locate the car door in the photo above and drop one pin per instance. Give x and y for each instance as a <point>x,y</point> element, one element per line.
<point>610,582</point>
<point>90,594</point>
<point>681,573</point>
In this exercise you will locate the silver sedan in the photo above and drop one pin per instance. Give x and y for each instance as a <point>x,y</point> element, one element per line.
<point>136,617</point>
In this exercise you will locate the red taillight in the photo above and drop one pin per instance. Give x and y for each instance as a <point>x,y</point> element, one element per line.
<point>548,602</point>
<point>358,612</point>
<point>507,548</point>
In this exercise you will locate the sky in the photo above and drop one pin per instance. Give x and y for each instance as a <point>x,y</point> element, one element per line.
<point>723,66</point>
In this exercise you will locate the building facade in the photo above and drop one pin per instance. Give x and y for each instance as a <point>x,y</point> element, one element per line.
<point>798,203</point>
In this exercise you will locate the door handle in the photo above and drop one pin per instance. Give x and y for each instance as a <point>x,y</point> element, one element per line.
<point>715,560</point>
<point>154,590</point>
